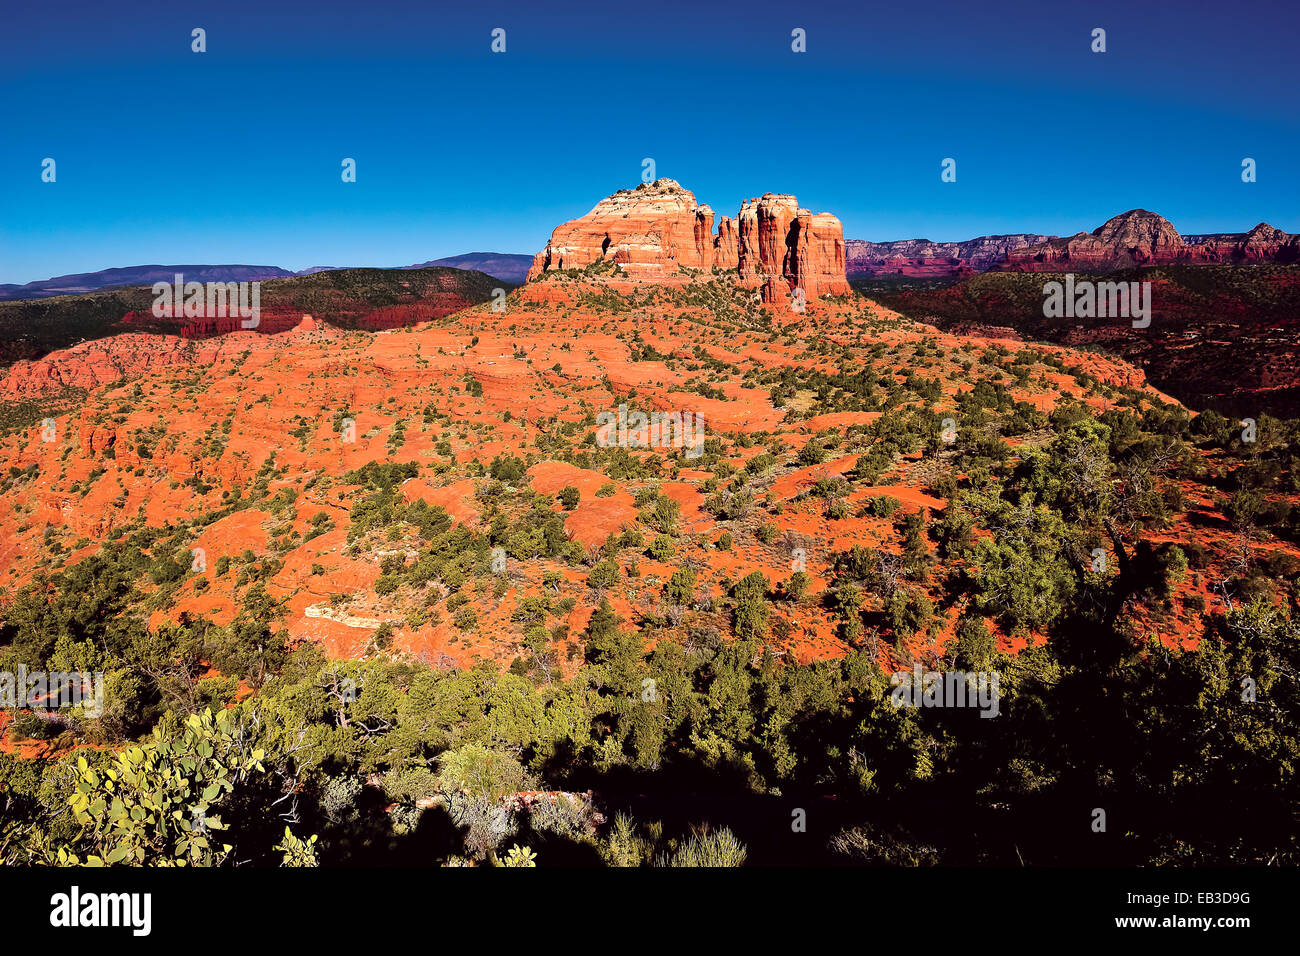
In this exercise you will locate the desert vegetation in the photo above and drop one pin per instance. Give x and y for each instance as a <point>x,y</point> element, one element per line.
<point>386,598</point>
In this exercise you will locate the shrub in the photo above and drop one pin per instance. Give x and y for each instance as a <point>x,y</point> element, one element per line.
<point>662,548</point>
<point>714,848</point>
<point>603,575</point>
<point>752,612</point>
<point>666,514</point>
<point>882,506</point>
<point>681,586</point>
<point>507,468</point>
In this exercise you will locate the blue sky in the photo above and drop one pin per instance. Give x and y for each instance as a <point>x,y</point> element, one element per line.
<point>234,155</point>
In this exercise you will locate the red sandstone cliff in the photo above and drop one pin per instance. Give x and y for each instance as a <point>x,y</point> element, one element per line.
<point>726,249</point>
<point>657,230</point>
<point>1142,238</point>
<point>1133,238</point>
<point>819,252</point>
<point>649,232</point>
<point>923,258</point>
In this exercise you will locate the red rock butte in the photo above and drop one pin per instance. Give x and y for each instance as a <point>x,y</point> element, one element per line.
<point>657,232</point>
<point>1142,238</point>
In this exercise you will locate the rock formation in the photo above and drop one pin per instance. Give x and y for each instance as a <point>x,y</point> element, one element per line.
<point>649,232</point>
<point>658,232</point>
<point>923,258</point>
<point>1134,238</point>
<point>726,249</point>
<point>1142,238</point>
<point>704,236</point>
<point>1264,243</point>
<point>819,254</point>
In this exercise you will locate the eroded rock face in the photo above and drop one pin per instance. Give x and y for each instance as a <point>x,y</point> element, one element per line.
<point>704,236</point>
<point>101,361</point>
<point>783,248</point>
<point>649,232</point>
<point>1266,243</point>
<point>766,259</point>
<point>923,258</point>
<point>1142,238</point>
<point>747,255</point>
<point>820,254</point>
<point>657,232</point>
<point>1133,238</point>
<point>726,249</point>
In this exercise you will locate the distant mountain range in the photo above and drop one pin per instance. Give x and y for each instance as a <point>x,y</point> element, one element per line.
<point>1132,238</point>
<point>1142,238</point>
<point>918,258</point>
<point>505,266</point>
<point>82,282</point>
<point>501,265</point>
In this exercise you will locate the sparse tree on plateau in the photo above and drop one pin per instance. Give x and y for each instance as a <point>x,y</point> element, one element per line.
<point>752,611</point>
<point>680,588</point>
<point>666,514</point>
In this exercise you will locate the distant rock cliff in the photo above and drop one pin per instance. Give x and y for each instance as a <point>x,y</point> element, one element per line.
<point>923,258</point>
<point>1133,238</point>
<point>1142,238</point>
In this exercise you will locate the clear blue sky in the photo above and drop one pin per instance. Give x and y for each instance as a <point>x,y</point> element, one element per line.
<point>234,155</point>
